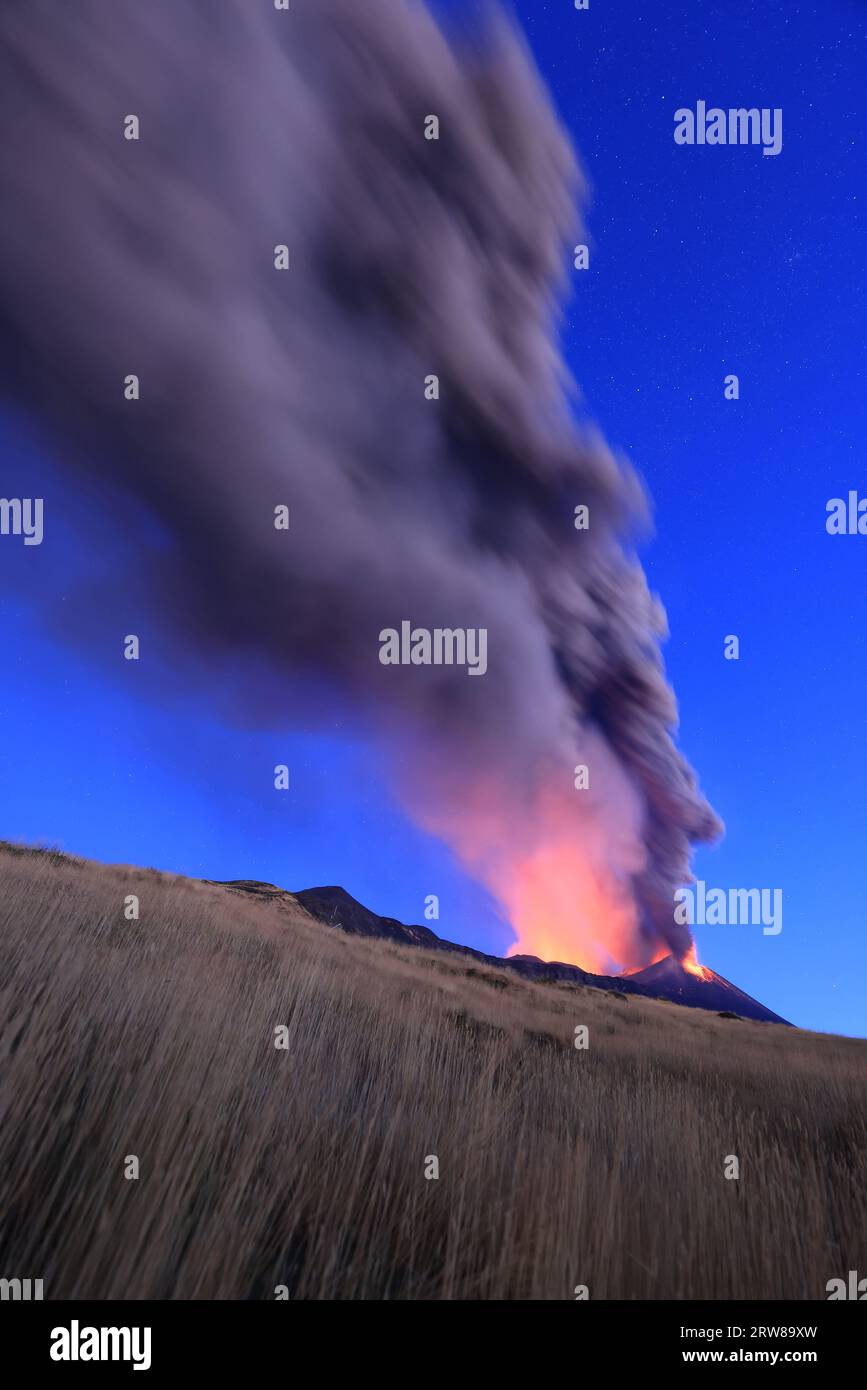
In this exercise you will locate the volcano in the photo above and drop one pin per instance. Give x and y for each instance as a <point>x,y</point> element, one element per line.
<point>665,979</point>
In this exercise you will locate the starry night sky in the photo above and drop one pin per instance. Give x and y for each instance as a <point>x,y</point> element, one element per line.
<point>704,261</point>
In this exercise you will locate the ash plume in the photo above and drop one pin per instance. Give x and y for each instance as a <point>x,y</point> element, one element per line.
<point>407,257</point>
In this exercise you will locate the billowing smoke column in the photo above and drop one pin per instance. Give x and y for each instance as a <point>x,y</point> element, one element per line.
<point>305,387</point>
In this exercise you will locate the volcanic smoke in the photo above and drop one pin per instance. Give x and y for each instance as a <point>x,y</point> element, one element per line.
<point>305,388</point>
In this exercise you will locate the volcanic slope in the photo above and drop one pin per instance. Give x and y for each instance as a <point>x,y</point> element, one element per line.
<point>667,979</point>
<point>286,1086</point>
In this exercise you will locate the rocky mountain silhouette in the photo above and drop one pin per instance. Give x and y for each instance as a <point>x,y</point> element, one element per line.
<point>666,979</point>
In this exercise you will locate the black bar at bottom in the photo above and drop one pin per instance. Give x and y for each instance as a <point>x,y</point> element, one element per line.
<point>165,1339</point>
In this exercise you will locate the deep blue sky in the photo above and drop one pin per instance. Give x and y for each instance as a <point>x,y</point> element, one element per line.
<point>704,262</point>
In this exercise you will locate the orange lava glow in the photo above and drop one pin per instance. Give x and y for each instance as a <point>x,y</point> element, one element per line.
<point>690,963</point>
<point>661,953</point>
<point>559,863</point>
<point>563,908</point>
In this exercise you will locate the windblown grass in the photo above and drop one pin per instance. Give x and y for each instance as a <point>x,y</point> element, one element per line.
<point>305,1168</point>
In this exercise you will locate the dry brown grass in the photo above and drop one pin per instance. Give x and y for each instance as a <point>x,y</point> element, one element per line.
<point>306,1168</point>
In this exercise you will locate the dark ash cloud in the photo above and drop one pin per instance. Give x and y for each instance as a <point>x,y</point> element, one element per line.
<point>407,257</point>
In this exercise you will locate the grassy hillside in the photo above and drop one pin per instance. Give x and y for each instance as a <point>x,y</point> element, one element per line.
<point>305,1167</point>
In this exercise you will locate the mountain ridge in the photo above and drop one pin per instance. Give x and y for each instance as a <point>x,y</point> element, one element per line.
<point>666,979</point>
